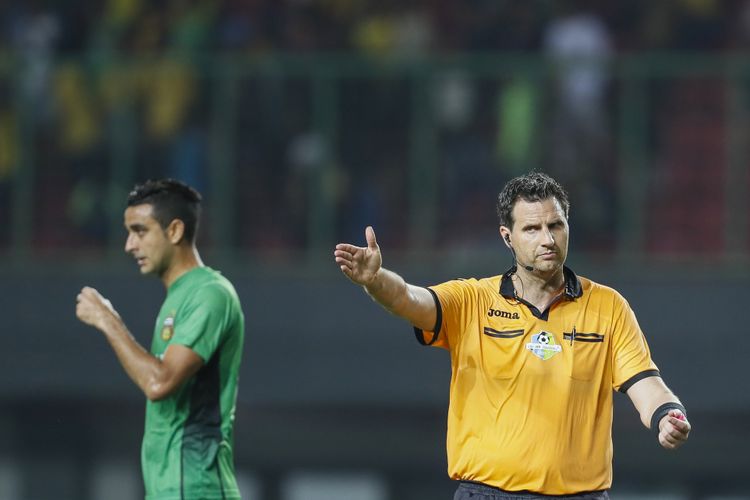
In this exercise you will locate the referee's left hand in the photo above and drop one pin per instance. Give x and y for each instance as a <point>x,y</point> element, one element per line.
<point>674,429</point>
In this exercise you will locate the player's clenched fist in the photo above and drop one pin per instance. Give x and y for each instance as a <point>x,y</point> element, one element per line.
<point>360,264</point>
<point>93,309</point>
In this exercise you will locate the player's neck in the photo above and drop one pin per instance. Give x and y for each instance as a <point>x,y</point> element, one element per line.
<point>184,260</point>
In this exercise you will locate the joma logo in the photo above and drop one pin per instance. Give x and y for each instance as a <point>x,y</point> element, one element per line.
<point>502,314</point>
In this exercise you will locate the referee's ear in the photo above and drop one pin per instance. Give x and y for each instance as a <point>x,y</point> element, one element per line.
<point>505,235</point>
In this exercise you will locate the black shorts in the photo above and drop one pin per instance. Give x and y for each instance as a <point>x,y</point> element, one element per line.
<point>468,490</point>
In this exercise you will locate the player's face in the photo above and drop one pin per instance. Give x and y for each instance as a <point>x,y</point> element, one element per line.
<point>147,242</point>
<point>540,234</point>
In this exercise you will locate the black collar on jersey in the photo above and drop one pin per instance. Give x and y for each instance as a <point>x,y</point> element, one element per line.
<point>572,290</point>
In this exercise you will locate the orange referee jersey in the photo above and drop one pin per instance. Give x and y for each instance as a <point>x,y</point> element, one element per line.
<point>531,391</point>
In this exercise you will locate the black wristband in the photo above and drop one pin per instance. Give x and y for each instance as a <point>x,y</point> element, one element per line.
<point>661,411</point>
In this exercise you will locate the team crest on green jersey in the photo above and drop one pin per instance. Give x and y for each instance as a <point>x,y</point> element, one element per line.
<point>167,329</point>
<point>543,345</point>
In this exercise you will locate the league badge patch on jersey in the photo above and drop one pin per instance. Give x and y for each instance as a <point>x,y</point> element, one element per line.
<point>543,345</point>
<point>168,329</point>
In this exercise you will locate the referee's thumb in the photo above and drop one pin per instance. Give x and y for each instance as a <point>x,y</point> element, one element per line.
<point>372,243</point>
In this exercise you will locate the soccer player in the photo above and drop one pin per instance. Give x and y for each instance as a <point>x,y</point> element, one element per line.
<point>190,375</point>
<point>536,353</point>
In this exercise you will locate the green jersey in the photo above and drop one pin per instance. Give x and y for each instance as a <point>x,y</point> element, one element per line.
<point>187,444</point>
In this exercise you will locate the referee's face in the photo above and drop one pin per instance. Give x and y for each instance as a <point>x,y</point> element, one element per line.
<point>147,241</point>
<point>540,234</point>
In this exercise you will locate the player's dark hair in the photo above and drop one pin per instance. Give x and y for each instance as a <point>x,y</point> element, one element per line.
<point>534,186</point>
<point>170,199</point>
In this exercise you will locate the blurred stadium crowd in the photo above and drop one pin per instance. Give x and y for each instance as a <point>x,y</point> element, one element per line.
<point>71,104</point>
<point>357,25</point>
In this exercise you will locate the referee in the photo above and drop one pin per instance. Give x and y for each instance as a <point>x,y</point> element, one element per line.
<point>535,352</point>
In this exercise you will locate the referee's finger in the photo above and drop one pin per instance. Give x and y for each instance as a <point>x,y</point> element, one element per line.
<point>669,438</point>
<point>682,426</point>
<point>343,254</point>
<point>675,435</point>
<point>665,443</point>
<point>372,242</point>
<point>346,247</point>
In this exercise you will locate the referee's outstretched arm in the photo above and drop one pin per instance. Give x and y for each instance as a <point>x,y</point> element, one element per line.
<point>660,411</point>
<point>364,266</point>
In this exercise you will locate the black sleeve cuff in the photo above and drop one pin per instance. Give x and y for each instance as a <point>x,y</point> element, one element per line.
<point>438,322</point>
<point>637,377</point>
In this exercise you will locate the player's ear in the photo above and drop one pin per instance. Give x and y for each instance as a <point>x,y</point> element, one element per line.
<point>175,231</point>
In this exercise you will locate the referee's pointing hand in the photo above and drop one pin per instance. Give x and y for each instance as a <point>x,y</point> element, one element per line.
<point>360,264</point>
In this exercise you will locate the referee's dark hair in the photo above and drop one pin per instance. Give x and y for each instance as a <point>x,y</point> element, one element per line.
<point>534,186</point>
<point>171,199</point>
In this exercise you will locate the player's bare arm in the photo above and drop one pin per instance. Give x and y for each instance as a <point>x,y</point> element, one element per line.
<point>647,396</point>
<point>156,378</point>
<point>364,266</point>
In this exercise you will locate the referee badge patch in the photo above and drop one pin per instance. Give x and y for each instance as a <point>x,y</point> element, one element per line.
<point>543,345</point>
<point>168,329</point>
